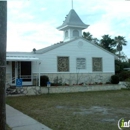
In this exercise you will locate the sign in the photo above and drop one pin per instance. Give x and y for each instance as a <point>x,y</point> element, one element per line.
<point>81,63</point>
<point>48,84</point>
<point>18,82</point>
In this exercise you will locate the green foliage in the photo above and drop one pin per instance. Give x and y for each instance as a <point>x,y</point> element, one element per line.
<point>108,43</point>
<point>87,36</point>
<point>126,64</point>
<point>124,75</point>
<point>127,83</point>
<point>43,80</point>
<point>120,40</point>
<point>118,66</point>
<point>114,79</point>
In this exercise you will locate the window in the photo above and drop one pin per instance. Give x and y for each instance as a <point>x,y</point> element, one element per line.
<point>63,64</point>
<point>76,33</point>
<point>66,33</point>
<point>80,63</point>
<point>97,64</point>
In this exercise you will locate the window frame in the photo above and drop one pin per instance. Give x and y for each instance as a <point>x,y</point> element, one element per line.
<point>77,32</point>
<point>85,63</point>
<point>66,34</point>
<point>68,63</point>
<point>101,64</point>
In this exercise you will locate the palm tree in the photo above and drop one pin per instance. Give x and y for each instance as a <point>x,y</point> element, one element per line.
<point>87,36</point>
<point>108,43</point>
<point>96,41</point>
<point>120,40</point>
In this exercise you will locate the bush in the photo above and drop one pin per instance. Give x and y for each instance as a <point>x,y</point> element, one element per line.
<point>43,80</point>
<point>114,79</point>
<point>127,83</point>
<point>124,75</point>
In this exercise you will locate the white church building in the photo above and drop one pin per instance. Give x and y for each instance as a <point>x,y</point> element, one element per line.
<point>75,60</point>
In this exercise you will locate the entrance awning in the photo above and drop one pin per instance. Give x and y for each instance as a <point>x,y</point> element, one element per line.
<point>21,58</point>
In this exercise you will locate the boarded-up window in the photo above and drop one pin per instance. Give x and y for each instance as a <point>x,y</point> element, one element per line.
<point>63,64</point>
<point>81,63</point>
<point>97,64</point>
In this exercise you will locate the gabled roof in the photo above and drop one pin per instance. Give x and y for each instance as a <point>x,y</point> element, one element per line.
<point>49,48</point>
<point>72,20</point>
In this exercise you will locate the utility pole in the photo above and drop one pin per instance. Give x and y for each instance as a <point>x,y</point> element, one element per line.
<point>3,38</point>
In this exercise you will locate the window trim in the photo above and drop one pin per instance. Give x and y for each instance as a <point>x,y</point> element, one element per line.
<point>101,64</point>
<point>66,34</point>
<point>76,32</point>
<point>85,63</point>
<point>68,64</point>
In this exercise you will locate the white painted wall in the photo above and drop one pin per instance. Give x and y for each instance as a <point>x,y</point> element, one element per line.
<point>74,50</point>
<point>70,34</point>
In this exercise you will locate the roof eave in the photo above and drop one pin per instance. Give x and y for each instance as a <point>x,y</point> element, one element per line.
<point>62,27</point>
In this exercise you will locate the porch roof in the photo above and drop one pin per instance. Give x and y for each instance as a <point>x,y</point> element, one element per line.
<point>21,58</point>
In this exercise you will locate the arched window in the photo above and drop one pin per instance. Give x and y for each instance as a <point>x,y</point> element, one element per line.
<point>76,33</point>
<point>66,33</point>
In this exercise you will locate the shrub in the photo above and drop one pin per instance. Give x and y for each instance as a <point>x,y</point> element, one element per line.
<point>114,79</point>
<point>127,83</point>
<point>43,80</point>
<point>124,75</point>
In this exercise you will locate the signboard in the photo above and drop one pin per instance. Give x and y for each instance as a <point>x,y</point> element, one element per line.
<point>18,82</point>
<point>48,84</point>
<point>81,63</point>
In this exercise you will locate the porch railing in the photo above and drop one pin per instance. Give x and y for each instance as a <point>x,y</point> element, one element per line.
<point>24,77</point>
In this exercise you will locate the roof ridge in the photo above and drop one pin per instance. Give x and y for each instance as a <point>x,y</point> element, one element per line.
<point>73,19</point>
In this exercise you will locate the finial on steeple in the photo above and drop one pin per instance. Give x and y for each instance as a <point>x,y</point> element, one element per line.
<point>72,4</point>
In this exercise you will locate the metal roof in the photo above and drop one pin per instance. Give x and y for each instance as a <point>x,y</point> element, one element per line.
<point>21,58</point>
<point>72,20</point>
<point>46,49</point>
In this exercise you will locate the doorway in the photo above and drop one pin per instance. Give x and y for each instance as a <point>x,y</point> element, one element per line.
<point>25,72</point>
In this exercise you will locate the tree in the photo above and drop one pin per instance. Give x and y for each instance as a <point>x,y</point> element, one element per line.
<point>3,33</point>
<point>118,66</point>
<point>34,50</point>
<point>108,43</point>
<point>87,36</point>
<point>120,40</point>
<point>96,41</point>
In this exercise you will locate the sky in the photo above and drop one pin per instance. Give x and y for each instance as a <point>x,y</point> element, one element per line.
<point>32,23</point>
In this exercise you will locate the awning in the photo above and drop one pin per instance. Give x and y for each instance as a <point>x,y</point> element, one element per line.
<point>21,58</point>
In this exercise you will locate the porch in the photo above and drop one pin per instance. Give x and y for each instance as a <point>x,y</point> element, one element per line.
<point>20,67</point>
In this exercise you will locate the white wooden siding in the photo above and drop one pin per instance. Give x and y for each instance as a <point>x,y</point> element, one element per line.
<point>73,51</point>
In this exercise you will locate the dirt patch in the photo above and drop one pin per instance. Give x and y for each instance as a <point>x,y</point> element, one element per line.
<point>76,111</point>
<point>107,114</point>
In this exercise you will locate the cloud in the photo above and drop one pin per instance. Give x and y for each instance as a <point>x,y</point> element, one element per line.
<point>33,23</point>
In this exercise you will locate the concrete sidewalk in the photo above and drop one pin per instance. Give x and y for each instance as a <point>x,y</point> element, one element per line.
<point>19,121</point>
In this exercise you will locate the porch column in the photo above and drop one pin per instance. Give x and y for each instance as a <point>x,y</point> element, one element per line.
<point>39,72</point>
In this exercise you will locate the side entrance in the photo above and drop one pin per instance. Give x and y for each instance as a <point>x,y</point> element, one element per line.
<point>22,69</point>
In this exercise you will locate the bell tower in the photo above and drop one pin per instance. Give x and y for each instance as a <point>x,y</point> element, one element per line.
<point>72,26</point>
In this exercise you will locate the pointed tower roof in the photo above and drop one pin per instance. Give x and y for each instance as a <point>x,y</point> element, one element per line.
<point>72,20</point>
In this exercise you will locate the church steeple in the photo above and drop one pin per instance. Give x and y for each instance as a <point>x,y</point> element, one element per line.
<point>72,26</point>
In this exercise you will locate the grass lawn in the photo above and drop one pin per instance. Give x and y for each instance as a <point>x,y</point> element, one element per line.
<point>76,111</point>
